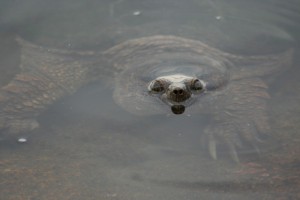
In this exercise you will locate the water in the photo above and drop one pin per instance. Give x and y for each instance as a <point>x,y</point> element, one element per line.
<point>87,147</point>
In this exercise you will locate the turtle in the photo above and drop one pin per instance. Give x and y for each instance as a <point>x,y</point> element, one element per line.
<point>153,75</point>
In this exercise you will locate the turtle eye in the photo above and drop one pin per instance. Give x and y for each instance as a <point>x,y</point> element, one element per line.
<point>197,85</point>
<point>156,86</point>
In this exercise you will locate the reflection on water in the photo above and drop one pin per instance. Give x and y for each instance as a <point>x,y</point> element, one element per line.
<point>89,148</point>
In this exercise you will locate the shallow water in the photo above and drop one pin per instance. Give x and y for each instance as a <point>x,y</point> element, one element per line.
<point>89,148</point>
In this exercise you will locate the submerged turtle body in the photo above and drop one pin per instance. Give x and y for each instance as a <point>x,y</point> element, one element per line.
<point>230,87</point>
<point>152,75</point>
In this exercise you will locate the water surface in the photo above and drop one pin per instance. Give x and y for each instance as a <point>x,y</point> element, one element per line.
<point>89,148</point>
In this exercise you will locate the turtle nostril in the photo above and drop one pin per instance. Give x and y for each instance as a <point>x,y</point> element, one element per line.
<point>178,91</point>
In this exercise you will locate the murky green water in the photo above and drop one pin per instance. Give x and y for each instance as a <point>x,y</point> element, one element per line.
<point>87,147</point>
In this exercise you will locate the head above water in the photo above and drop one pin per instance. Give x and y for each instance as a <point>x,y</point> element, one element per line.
<point>177,91</point>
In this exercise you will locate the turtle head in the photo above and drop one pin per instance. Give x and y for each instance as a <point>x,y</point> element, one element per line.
<point>177,91</point>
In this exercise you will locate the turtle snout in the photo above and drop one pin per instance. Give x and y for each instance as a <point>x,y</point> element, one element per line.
<point>178,93</point>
